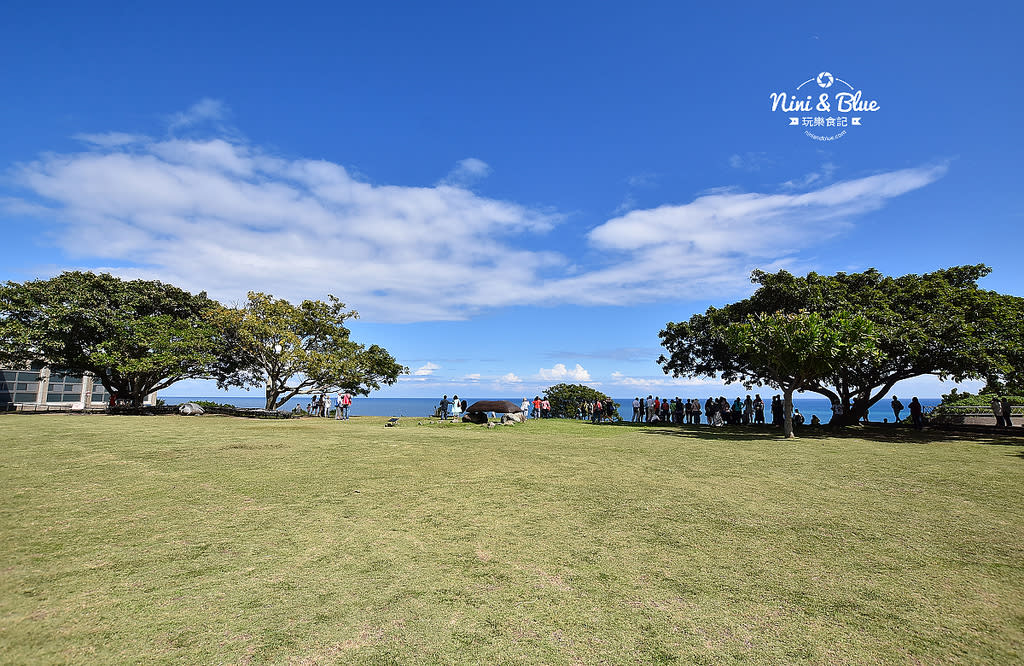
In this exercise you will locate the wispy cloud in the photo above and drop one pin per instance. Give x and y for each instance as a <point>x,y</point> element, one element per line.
<point>467,172</point>
<point>662,381</point>
<point>714,241</point>
<point>226,216</point>
<point>426,370</point>
<point>616,354</point>
<point>751,161</point>
<point>204,111</point>
<point>110,139</point>
<point>814,178</point>
<point>222,216</point>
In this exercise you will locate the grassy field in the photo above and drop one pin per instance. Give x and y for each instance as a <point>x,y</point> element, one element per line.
<point>222,540</point>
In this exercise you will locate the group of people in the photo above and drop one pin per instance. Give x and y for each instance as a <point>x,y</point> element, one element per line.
<point>717,411</point>
<point>538,408</point>
<point>596,411</point>
<point>451,408</point>
<point>320,405</point>
<point>1003,412</point>
<point>916,412</point>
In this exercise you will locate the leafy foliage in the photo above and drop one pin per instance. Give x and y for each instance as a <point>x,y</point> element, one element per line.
<point>936,323</point>
<point>305,348</point>
<point>136,336</point>
<point>956,399</point>
<point>795,351</point>
<point>565,398</point>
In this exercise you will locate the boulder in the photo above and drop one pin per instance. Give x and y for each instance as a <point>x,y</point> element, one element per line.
<point>190,409</point>
<point>516,417</point>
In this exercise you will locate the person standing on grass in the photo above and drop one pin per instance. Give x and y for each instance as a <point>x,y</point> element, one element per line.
<point>897,407</point>
<point>748,411</point>
<point>456,408</point>
<point>997,411</point>
<point>545,408</point>
<point>525,406</point>
<point>758,409</point>
<point>444,406</point>
<point>777,411</point>
<point>636,409</point>
<point>536,406</point>
<point>916,413</point>
<point>346,403</point>
<point>1007,410</point>
<point>339,412</point>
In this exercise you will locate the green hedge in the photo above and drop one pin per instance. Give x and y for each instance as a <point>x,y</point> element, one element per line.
<point>956,403</point>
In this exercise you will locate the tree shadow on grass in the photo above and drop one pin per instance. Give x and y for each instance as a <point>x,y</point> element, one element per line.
<point>872,432</point>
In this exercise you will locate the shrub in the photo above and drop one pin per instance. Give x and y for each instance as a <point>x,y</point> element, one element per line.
<point>565,398</point>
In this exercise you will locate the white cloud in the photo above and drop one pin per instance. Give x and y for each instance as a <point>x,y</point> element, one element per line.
<point>823,175</point>
<point>222,215</point>
<point>715,241</point>
<point>203,111</point>
<point>750,161</point>
<point>467,172</point>
<point>426,370</point>
<point>510,378</point>
<point>560,372</point>
<point>472,377</point>
<point>110,139</point>
<point>645,383</point>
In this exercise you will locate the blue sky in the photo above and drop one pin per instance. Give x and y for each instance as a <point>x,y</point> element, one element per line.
<point>511,194</point>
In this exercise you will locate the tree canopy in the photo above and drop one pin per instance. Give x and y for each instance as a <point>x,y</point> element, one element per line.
<point>136,336</point>
<point>565,398</point>
<point>793,352</point>
<point>937,323</point>
<point>297,349</point>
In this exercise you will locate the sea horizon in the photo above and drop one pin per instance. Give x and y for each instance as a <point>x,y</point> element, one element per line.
<point>424,407</point>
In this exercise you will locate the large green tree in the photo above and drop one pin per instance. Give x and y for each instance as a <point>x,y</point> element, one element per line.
<point>300,349</point>
<point>793,352</point>
<point>136,336</point>
<point>565,398</point>
<point>938,323</point>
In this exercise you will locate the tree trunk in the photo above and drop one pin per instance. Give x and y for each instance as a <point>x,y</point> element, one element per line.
<point>272,396</point>
<point>787,406</point>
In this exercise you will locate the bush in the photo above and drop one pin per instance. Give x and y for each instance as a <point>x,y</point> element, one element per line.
<point>956,399</point>
<point>566,398</point>
<point>956,404</point>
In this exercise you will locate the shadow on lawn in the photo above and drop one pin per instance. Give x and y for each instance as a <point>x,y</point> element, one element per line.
<point>877,433</point>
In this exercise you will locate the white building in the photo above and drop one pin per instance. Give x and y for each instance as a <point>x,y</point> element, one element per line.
<point>28,389</point>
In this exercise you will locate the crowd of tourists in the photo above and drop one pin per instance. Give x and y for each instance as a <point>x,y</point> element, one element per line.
<point>322,405</point>
<point>714,411</point>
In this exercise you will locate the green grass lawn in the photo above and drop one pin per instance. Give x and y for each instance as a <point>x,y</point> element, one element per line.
<point>222,540</point>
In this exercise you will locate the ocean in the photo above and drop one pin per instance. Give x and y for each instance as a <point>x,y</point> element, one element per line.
<point>424,407</point>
